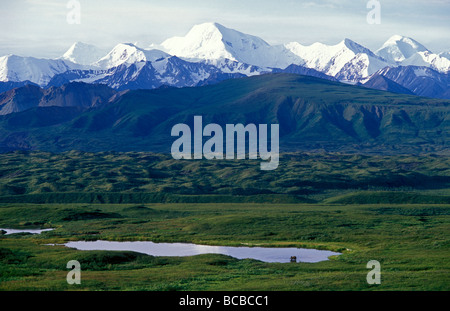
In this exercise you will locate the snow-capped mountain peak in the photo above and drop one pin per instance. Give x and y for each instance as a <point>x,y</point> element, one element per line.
<point>83,54</point>
<point>213,42</point>
<point>15,68</point>
<point>357,61</point>
<point>127,53</point>
<point>208,41</point>
<point>398,48</point>
<point>355,47</point>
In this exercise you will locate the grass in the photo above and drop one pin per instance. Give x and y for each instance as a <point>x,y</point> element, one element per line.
<point>410,241</point>
<point>394,209</point>
<point>108,177</point>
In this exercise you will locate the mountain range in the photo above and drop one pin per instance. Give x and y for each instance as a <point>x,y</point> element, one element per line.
<point>210,53</point>
<point>338,98</point>
<point>80,95</point>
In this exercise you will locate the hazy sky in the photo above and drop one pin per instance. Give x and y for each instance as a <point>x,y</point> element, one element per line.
<point>40,28</point>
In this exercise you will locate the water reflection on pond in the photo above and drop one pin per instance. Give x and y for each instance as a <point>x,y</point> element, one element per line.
<point>265,254</point>
<point>31,231</point>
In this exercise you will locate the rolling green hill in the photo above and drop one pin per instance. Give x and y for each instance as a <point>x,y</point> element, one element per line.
<point>137,177</point>
<point>313,114</point>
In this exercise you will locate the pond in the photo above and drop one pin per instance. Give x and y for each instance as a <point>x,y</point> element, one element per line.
<point>266,254</point>
<point>32,231</point>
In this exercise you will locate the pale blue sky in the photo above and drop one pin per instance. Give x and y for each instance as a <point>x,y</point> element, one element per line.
<point>39,27</point>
